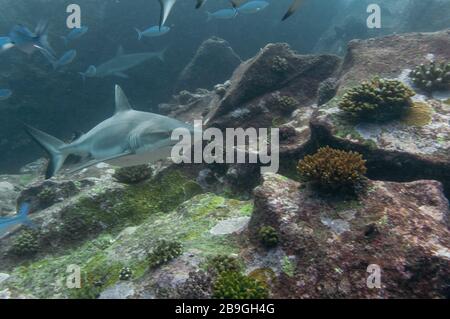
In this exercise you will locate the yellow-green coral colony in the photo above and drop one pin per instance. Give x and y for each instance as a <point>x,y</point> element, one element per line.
<point>268,236</point>
<point>332,169</point>
<point>377,100</point>
<point>234,285</point>
<point>164,252</point>
<point>431,77</point>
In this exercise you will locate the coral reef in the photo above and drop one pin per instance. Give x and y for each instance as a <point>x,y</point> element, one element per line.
<point>432,77</point>
<point>164,252</point>
<point>377,100</point>
<point>133,175</point>
<point>402,227</point>
<point>222,263</point>
<point>286,104</point>
<point>197,286</point>
<point>280,64</point>
<point>333,170</point>
<point>268,236</point>
<point>326,91</point>
<point>25,244</point>
<point>234,285</point>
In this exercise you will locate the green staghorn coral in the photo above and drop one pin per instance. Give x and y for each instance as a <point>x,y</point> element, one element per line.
<point>25,244</point>
<point>234,285</point>
<point>431,77</point>
<point>164,252</point>
<point>223,263</point>
<point>268,236</point>
<point>377,100</point>
<point>332,169</point>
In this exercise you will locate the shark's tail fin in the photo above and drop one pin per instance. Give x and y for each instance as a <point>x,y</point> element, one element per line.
<point>139,33</point>
<point>52,146</point>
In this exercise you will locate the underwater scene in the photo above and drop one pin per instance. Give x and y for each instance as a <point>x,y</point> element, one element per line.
<point>224,149</point>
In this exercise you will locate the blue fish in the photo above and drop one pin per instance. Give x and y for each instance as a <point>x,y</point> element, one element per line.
<point>5,94</point>
<point>21,218</point>
<point>74,34</point>
<point>154,31</point>
<point>26,41</point>
<point>90,72</point>
<point>67,58</point>
<point>253,7</point>
<point>223,14</point>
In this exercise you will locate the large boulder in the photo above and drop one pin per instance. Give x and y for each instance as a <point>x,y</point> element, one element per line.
<point>213,63</point>
<point>271,85</point>
<point>416,146</point>
<point>402,228</point>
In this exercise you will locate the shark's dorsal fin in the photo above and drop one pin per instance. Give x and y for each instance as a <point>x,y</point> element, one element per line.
<point>120,51</point>
<point>122,103</point>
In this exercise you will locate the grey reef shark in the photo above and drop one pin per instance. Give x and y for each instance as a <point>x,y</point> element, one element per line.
<point>126,139</point>
<point>121,63</point>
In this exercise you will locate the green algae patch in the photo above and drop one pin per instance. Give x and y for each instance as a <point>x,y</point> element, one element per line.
<point>47,278</point>
<point>419,114</point>
<point>190,224</point>
<point>101,259</point>
<point>126,207</point>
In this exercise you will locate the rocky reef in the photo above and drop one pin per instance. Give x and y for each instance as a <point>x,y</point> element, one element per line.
<point>226,231</point>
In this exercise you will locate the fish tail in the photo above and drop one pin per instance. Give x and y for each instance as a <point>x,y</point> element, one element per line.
<point>162,55</point>
<point>42,39</point>
<point>139,33</point>
<point>23,215</point>
<point>209,16</point>
<point>52,146</point>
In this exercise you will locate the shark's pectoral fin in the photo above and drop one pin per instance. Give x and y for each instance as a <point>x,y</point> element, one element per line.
<point>90,163</point>
<point>121,75</point>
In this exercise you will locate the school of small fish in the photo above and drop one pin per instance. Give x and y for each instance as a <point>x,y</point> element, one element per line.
<point>27,41</point>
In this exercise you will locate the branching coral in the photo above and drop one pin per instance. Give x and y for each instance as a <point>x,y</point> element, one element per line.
<point>377,100</point>
<point>431,77</point>
<point>164,252</point>
<point>133,175</point>
<point>334,170</point>
<point>280,64</point>
<point>286,104</point>
<point>222,263</point>
<point>268,236</point>
<point>25,244</point>
<point>234,285</point>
